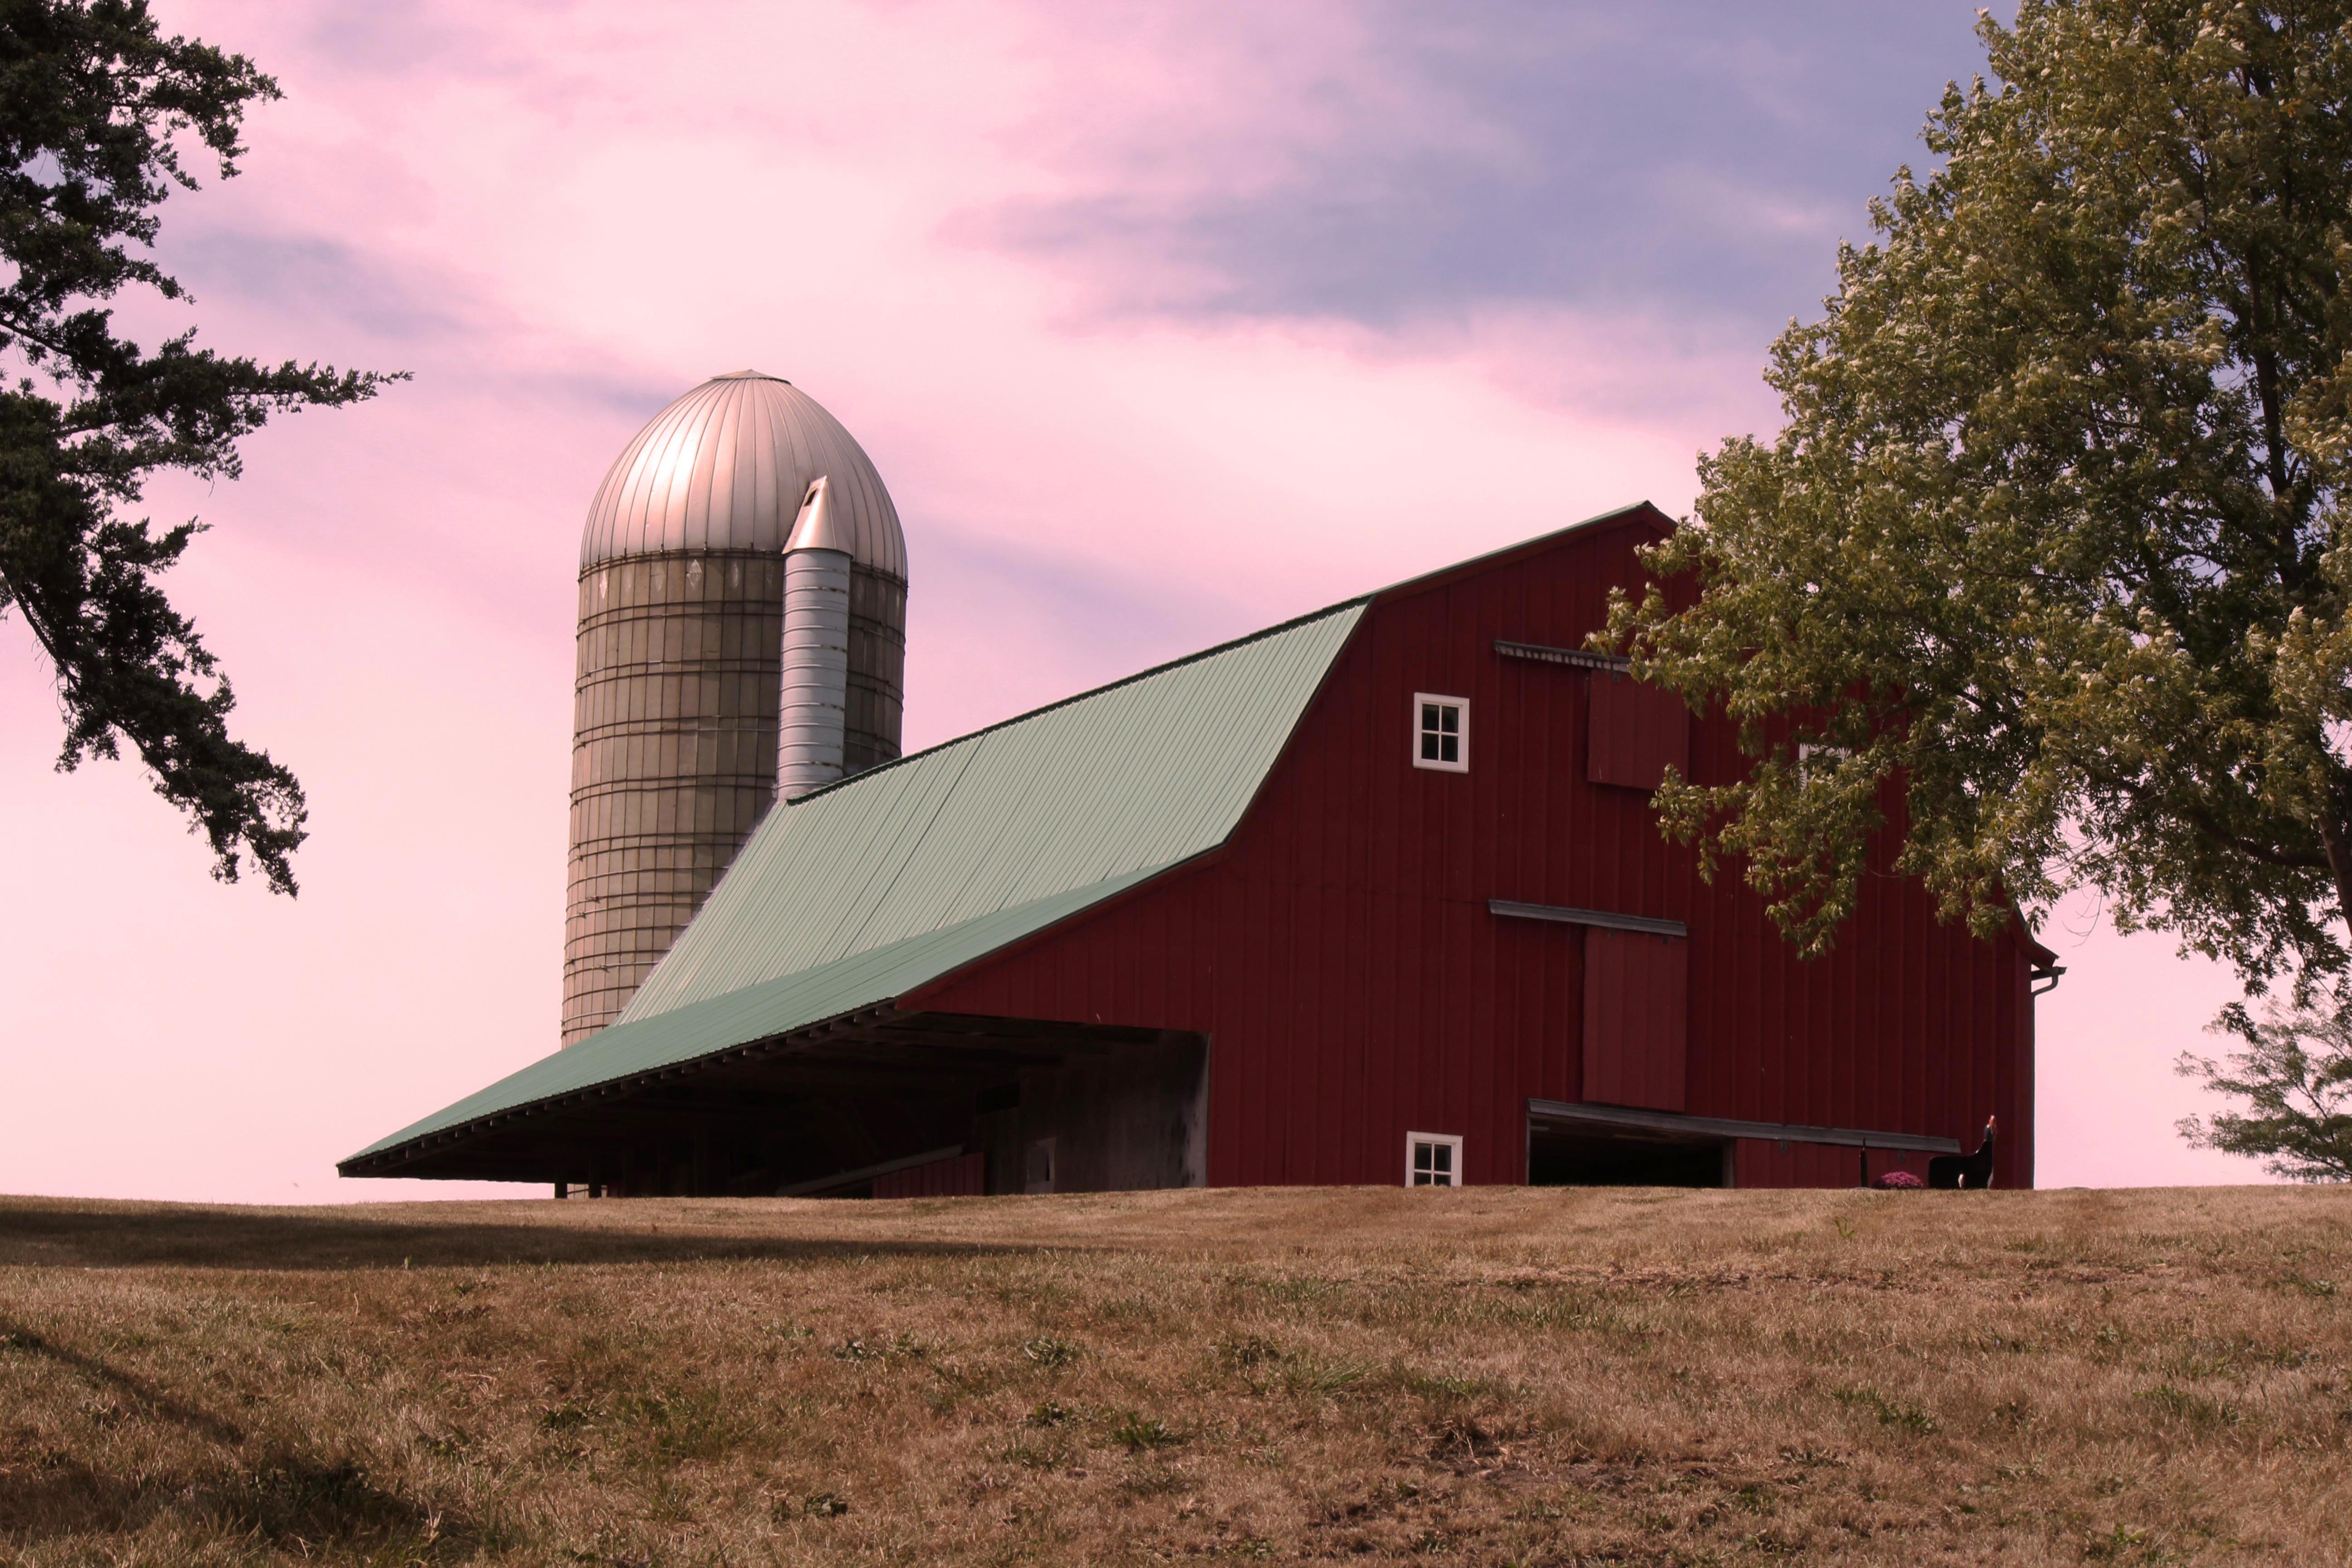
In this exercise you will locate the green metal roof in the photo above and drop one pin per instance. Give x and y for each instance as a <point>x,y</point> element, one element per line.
<point>860,893</point>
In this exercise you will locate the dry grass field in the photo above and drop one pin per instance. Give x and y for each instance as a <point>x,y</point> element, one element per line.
<point>1481,1377</point>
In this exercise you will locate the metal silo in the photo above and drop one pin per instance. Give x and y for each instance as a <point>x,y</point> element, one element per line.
<point>682,629</point>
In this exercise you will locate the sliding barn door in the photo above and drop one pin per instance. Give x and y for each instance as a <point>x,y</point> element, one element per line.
<point>1636,1019</point>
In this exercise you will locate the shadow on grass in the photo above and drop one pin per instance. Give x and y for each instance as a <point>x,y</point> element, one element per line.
<point>279,1495</point>
<point>151,1400</point>
<point>134,1236</point>
<point>285,1500</point>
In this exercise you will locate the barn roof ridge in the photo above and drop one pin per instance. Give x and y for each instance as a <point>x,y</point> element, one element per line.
<point>1038,713</point>
<point>1505,555</point>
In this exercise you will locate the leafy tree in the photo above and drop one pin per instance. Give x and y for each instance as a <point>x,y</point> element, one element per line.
<point>96,109</point>
<point>2295,1076</point>
<point>2052,552</point>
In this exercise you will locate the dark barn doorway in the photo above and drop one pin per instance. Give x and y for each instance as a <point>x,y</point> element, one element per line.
<point>1595,1157</point>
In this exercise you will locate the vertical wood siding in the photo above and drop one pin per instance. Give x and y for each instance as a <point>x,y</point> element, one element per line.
<point>1340,957</point>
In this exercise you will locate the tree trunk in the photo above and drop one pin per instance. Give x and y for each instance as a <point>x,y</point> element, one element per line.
<point>2336,836</point>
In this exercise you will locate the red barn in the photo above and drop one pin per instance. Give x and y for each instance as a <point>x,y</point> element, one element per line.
<point>1375,896</point>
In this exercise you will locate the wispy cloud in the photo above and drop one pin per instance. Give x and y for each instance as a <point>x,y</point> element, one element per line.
<point>1385,164</point>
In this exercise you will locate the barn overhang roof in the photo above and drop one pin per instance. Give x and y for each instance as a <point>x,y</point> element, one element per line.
<point>851,897</point>
<point>798,1077</point>
<point>787,1017</point>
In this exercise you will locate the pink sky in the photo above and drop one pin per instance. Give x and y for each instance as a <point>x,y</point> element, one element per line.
<point>1161,323</point>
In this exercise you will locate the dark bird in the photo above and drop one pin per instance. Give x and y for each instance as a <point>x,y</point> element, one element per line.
<point>1964,1170</point>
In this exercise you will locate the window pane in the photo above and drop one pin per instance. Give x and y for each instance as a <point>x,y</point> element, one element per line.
<point>1429,749</point>
<point>1429,715</point>
<point>1442,1157</point>
<point>1450,748</point>
<point>1449,719</point>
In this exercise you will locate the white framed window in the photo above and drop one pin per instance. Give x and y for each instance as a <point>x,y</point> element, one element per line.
<point>1830,756</point>
<point>1433,1159</point>
<point>1441,732</point>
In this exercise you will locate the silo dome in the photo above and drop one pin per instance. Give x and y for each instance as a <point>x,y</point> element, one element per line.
<point>683,627</point>
<point>725,468</point>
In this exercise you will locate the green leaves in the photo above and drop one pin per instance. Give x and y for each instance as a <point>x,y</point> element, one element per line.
<point>95,108</point>
<point>2051,550</point>
<point>2294,1078</point>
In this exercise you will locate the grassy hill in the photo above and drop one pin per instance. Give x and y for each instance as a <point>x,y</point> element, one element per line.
<point>1479,1377</point>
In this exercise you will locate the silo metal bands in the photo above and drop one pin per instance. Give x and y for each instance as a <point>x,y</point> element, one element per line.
<point>682,627</point>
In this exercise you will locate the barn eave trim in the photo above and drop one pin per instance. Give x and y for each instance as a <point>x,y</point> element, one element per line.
<point>1565,1113</point>
<point>1616,664</point>
<point>1511,908</point>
